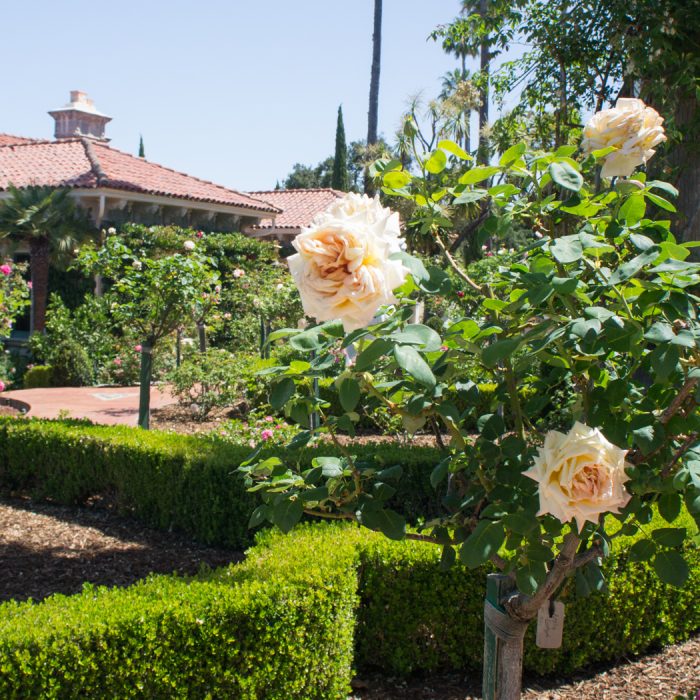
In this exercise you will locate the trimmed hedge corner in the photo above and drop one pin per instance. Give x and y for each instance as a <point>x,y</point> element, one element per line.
<point>278,626</point>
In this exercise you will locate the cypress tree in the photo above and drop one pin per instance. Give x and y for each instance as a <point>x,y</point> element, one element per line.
<point>142,152</point>
<point>339,181</point>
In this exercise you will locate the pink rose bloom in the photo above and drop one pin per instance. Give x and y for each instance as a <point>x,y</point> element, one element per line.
<point>2,385</point>
<point>6,270</point>
<point>29,285</point>
<point>444,348</point>
<point>269,419</point>
<point>138,348</point>
<point>118,361</point>
<point>200,234</point>
<point>266,434</point>
<point>460,294</point>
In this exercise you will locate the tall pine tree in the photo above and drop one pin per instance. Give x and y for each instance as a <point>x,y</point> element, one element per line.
<point>339,181</point>
<point>142,151</point>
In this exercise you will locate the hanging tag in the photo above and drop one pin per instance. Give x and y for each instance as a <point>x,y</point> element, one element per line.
<point>550,625</point>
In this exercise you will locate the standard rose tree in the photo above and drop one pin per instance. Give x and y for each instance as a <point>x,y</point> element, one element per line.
<point>150,296</point>
<point>599,307</point>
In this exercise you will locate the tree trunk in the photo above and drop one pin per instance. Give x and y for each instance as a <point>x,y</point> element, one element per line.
<point>503,643</point>
<point>373,114</point>
<point>686,157</point>
<point>39,267</point>
<point>201,331</point>
<point>145,384</point>
<point>484,151</point>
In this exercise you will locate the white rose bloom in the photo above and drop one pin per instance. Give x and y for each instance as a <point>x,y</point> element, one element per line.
<point>137,265</point>
<point>631,127</point>
<point>237,273</point>
<point>111,230</point>
<point>342,268</point>
<point>188,246</point>
<point>581,475</point>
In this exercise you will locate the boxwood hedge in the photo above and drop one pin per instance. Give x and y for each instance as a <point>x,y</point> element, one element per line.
<point>169,481</point>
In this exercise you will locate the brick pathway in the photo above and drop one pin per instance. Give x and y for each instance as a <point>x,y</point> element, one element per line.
<point>107,405</point>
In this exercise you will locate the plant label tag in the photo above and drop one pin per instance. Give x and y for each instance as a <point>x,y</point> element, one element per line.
<point>550,625</point>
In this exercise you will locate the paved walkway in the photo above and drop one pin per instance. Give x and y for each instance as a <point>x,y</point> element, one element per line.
<point>108,405</point>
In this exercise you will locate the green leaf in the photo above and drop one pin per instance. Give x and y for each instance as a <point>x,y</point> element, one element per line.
<point>564,285</point>
<point>259,516</point>
<point>642,550</point>
<point>469,196</point>
<point>660,332</point>
<point>530,576</point>
<point>376,349</point>
<point>306,341</point>
<point>332,466</point>
<point>454,149</point>
<point>671,568</point>
<point>478,174</point>
<point>566,176</point>
<point>566,249</point>
<point>660,202</point>
<point>632,267</point>
<point>439,474</point>
<point>389,523</point>
<point>484,541</point>
<point>281,393</point>
<point>663,186</point>
<point>418,334</point>
<point>633,209</point>
<point>670,506</point>
<point>396,179</point>
<point>349,393</point>
<point>500,350</point>
<point>436,163</point>
<point>669,536</point>
<point>512,154</point>
<point>410,361</point>
<point>287,513</point>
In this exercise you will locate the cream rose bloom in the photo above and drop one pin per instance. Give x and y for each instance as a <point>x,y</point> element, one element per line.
<point>342,267</point>
<point>632,127</point>
<point>580,475</point>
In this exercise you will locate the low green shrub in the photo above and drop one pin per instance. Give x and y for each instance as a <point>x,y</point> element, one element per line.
<point>207,380</point>
<point>278,626</point>
<point>415,617</point>
<point>38,377</point>
<point>71,365</point>
<point>184,482</point>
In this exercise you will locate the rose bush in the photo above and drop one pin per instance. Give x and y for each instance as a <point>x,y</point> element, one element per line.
<point>601,301</point>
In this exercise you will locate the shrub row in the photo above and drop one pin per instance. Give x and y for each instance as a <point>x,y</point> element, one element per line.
<point>281,624</point>
<point>168,481</point>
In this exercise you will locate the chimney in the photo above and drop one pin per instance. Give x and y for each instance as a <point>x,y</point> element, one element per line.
<point>79,118</point>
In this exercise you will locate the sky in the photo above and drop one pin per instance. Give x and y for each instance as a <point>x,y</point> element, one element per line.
<point>232,91</point>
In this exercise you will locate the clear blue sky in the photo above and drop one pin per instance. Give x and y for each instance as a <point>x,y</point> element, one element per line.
<point>234,91</point>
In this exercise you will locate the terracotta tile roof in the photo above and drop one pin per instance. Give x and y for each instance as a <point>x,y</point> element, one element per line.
<point>86,163</point>
<point>298,206</point>
<point>10,140</point>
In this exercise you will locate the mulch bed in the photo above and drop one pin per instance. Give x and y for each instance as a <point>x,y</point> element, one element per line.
<point>46,548</point>
<point>661,676</point>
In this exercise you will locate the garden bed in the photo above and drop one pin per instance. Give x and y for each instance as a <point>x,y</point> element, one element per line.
<point>48,548</point>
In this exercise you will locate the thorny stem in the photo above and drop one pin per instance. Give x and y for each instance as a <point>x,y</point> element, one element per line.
<point>514,401</point>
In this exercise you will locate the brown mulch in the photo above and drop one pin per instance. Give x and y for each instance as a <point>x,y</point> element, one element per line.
<point>46,548</point>
<point>178,419</point>
<point>6,410</point>
<point>663,675</point>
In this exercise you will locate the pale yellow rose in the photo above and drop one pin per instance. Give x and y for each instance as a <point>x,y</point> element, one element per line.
<point>632,128</point>
<point>342,268</point>
<point>581,475</point>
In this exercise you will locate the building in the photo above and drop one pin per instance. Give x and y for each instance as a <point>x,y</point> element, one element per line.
<point>115,186</point>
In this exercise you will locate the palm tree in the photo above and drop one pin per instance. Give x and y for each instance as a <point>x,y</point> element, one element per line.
<point>49,221</point>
